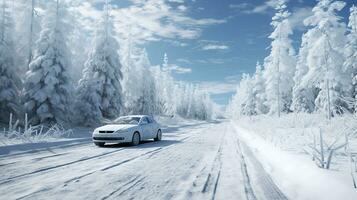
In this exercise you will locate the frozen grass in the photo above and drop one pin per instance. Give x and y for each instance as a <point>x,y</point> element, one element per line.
<point>296,131</point>
<point>331,144</point>
<point>16,134</point>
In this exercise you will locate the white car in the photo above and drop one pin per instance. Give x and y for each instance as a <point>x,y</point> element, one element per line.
<point>128,129</point>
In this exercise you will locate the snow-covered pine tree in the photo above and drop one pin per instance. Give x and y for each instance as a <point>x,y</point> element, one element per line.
<point>47,88</point>
<point>350,63</point>
<point>243,101</point>
<point>181,99</point>
<point>132,79</point>
<point>100,90</point>
<point>28,27</point>
<point>259,91</point>
<point>9,81</point>
<point>146,103</point>
<point>189,90</point>
<point>204,106</point>
<point>325,58</point>
<point>280,64</point>
<point>304,92</point>
<point>164,86</point>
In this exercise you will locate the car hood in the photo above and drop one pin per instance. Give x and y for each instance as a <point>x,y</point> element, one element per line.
<point>116,127</point>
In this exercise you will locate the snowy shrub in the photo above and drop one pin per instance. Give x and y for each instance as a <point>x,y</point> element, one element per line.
<point>305,133</point>
<point>30,134</point>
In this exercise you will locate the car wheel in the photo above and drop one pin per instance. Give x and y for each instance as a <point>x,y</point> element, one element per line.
<point>136,139</point>
<point>158,135</point>
<point>99,144</point>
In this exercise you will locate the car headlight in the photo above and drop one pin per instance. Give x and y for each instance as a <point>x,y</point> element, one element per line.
<point>121,131</point>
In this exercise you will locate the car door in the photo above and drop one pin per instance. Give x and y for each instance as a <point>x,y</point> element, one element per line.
<point>153,128</point>
<point>145,127</point>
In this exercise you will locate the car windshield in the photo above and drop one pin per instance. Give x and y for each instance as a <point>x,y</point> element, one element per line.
<point>127,120</point>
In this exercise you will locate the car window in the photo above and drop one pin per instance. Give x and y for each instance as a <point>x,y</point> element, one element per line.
<point>145,120</point>
<point>150,120</point>
<point>127,120</point>
<point>153,120</point>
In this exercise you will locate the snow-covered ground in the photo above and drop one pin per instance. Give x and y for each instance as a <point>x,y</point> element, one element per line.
<point>281,145</point>
<point>195,160</point>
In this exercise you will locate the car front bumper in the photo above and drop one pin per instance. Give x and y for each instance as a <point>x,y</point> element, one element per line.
<point>112,138</point>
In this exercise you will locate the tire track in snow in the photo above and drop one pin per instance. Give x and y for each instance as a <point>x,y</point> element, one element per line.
<point>125,187</point>
<point>56,166</point>
<point>266,183</point>
<point>248,189</point>
<point>49,156</point>
<point>80,142</point>
<point>86,159</point>
<point>77,178</point>
<point>211,182</point>
<point>149,154</point>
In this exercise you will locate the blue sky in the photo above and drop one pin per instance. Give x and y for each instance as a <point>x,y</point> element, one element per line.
<point>208,42</point>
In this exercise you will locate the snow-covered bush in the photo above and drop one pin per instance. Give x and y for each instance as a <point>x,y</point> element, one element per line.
<point>310,134</point>
<point>18,132</point>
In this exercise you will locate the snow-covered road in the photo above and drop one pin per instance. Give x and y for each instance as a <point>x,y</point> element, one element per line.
<point>194,161</point>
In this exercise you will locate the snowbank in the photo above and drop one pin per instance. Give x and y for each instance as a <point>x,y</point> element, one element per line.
<point>295,174</point>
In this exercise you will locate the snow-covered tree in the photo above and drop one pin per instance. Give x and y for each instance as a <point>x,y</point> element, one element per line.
<point>350,63</point>
<point>164,86</point>
<point>325,58</point>
<point>148,91</point>
<point>47,88</point>
<point>304,92</point>
<point>280,64</point>
<point>9,81</point>
<point>100,89</point>
<point>259,91</point>
<point>131,77</point>
<point>27,27</point>
<point>243,101</point>
<point>139,84</point>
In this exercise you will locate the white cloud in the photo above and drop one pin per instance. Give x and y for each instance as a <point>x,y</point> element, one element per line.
<point>215,47</point>
<point>298,16</point>
<point>229,85</point>
<point>212,45</point>
<point>176,1</point>
<point>239,6</point>
<point>249,8</point>
<point>149,20</point>
<point>183,60</point>
<point>216,87</point>
<point>178,69</point>
<point>182,8</point>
